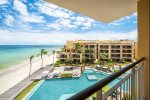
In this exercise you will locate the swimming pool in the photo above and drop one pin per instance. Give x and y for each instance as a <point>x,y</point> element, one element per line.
<point>60,89</point>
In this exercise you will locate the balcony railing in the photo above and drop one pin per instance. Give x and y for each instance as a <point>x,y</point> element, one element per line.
<point>104,51</point>
<point>115,51</point>
<point>128,88</point>
<point>76,56</point>
<point>127,51</point>
<point>115,55</point>
<point>115,48</point>
<point>127,47</point>
<point>63,56</point>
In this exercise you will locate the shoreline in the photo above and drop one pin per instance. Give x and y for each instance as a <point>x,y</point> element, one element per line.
<point>17,73</point>
<point>20,65</point>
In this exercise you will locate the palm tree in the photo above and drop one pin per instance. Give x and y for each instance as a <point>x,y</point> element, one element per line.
<point>93,58</point>
<point>53,56</point>
<point>43,52</point>
<point>83,59</point>
<point>31,58</point>
<point>103,55</point>
<point>77,47</point>
<point>90,50</point>
<point>70,60</point>
<point>110,62</point>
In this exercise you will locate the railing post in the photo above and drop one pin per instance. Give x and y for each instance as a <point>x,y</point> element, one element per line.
<point>140,82</point>
<point>133,94</point>
<point>99,95</point>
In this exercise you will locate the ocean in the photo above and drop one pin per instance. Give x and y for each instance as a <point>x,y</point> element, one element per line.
<point>11,55</point>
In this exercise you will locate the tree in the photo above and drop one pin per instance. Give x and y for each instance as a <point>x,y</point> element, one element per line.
<point>110,62</point>
<point>84,60</point>
<point>97,62</point>
<point>90,50</point>
<point>122,61</point>
<point>31,58</point>
<point>103,56</point>
<point>93,58</point>
<point>69,61</point>
<point>43,52</point>
<point>53,56</point>
<point>77,47</point>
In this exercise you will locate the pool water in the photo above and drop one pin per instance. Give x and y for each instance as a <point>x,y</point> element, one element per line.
<point>60,89</point>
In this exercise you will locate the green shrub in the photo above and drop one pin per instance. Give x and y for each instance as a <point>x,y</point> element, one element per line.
<point>69,61</point>
<point>116,70</point>
<point>26,91</point>
<point>65,75</point>
<point>106,88</point>
<point>58,63</point>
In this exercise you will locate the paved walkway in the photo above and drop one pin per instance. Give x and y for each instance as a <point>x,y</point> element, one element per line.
<point>15,90</point>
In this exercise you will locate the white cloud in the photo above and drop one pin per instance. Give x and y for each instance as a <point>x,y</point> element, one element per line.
<point>122,20</point>
<point>61,24</point>
<point>25,16</point>
<point>116,23</point>
<point>20,7</point>
<point>54,26</point>
<point>7,37</point>
<point>87,22</point>
<point>52,10</point>
<point>3,2</point>
<point>65,19</point>
<point>9,20</point>
<point>33,18</point>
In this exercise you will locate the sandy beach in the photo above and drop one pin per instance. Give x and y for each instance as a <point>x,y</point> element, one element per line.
<point>10,77</point>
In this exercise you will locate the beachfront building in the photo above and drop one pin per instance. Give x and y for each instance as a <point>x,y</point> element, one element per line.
<point>91,50</point>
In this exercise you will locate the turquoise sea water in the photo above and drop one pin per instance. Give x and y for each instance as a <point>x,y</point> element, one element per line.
<point>60,89</point>
<point>14,54</point>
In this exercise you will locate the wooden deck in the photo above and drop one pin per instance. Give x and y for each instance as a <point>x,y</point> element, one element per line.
<point>15,90</point>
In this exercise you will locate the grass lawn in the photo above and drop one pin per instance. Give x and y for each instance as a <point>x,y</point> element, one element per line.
<point>27,90</point>
<point>104,89</point>
<point>65,75</point>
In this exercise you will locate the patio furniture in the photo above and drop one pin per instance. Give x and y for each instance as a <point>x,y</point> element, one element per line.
<point>98,67</point>
<point>105,69</point>
<point>56,73</point>
<point>45,74</point>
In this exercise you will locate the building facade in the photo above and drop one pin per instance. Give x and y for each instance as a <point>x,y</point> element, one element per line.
<point>90,51</point>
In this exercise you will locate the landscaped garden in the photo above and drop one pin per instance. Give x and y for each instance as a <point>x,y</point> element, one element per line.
<point>26,91</point>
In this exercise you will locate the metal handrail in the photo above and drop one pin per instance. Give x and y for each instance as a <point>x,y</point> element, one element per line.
<point>82,95</point>
<point>117,85</point>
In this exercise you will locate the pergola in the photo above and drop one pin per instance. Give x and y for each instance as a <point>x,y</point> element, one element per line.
<point>109,10</point>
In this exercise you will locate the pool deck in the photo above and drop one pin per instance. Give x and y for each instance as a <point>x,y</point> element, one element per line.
<point>18,88</point>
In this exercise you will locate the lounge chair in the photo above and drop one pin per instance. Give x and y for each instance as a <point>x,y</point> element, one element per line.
<point>98,67</point>
<point>73,73</point>
<point>76,74</point>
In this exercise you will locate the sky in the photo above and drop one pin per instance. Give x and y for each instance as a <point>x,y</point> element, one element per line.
<point>38,22</point>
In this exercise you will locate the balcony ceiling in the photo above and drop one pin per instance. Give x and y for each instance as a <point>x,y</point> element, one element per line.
<point>101,10</point>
